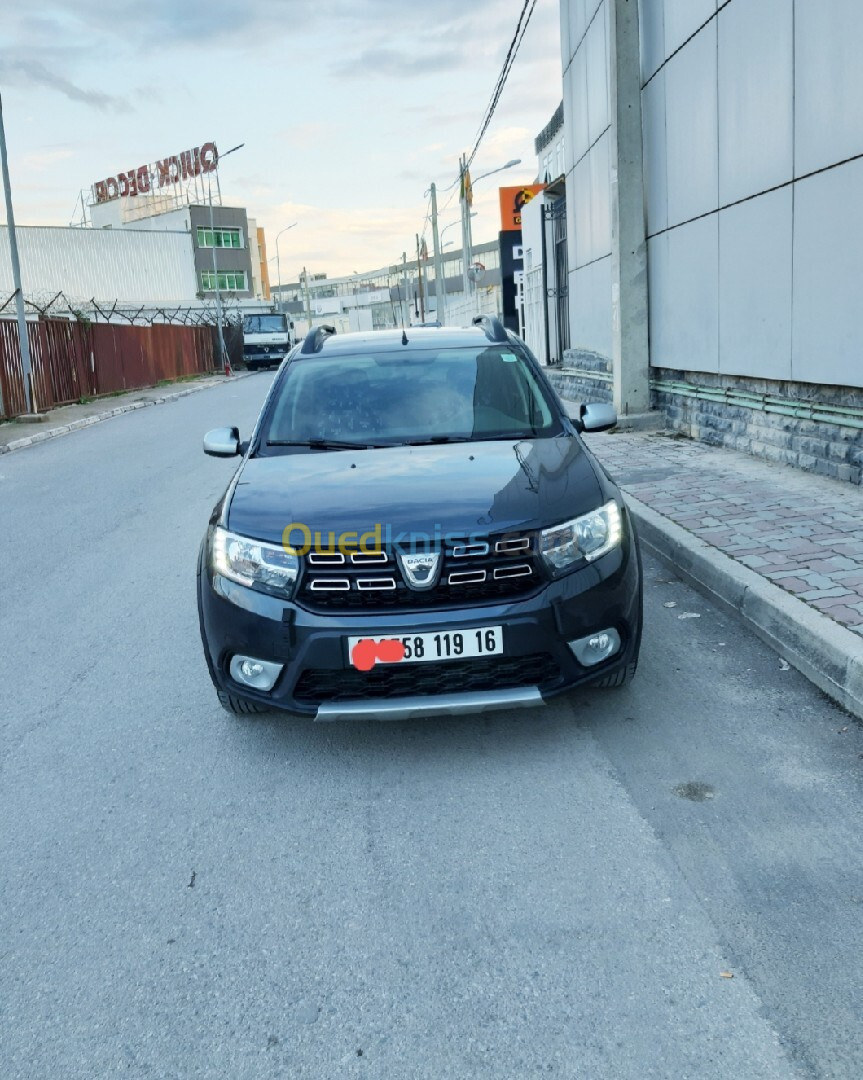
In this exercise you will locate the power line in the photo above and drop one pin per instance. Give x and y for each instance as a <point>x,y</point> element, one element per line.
<point>517,38</point>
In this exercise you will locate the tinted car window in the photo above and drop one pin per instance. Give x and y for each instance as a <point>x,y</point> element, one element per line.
<point>393,397</point>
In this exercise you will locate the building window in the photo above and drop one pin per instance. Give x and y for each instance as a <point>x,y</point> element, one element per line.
<point>229,281</point>
<point>220,238</point>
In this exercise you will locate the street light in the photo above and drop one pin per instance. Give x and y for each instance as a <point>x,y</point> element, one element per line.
<point>222,348</point>
<point>278,264</point>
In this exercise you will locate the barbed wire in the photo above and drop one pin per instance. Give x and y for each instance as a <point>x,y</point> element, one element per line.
<point>60,306</point>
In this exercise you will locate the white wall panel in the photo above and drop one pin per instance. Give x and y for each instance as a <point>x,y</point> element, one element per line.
<point>578,17</point>
<point>104,264</point>
<point>578,194</point>
<point>693,296</point>
<point>756,97</point>
<point>659,310</point>
<point>829,82</point>
<point>596,47</point>
<point>683,18</point>
<point>600,199</point>
<point>655,153</point>
<point>590,307</point>
<point>652,36</point>
<point>575,107</point>
<point>828,272</point>
<point>755,270</point>
<point>691,128</point>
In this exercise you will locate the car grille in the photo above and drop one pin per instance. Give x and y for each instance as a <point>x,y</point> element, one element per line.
<point>317,686</point>
<point>489,571</point>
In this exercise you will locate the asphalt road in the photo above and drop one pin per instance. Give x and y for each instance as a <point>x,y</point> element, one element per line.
<point>185,894</point>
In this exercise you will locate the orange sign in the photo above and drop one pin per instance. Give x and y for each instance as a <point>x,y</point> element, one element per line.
<point>512,199</point>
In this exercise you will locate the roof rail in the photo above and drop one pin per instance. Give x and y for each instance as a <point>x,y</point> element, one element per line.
<point>314,340</point>
<point>493,327</point>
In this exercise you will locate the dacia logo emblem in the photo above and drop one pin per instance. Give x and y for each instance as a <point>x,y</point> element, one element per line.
<point>420,571</point>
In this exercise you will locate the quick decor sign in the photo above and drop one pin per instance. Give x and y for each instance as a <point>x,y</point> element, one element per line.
<point>168,171</point>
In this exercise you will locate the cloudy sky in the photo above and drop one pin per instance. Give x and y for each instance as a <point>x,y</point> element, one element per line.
<point>348,108</point>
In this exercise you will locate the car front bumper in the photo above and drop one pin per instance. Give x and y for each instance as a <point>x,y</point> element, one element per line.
<point>537,662</point>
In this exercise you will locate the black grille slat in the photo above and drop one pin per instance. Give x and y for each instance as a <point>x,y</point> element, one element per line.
<point>318,686</point>
<point>496,569</point>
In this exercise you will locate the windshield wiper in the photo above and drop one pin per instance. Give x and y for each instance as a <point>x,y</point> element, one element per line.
<point>435,439</point>
<point>326,444</point>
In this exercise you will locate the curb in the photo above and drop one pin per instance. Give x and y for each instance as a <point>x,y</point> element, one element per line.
<point>88,421</point>
<point>828,654</point>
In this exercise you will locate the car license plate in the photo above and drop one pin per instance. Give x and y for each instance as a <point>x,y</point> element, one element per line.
<point>365,652</point>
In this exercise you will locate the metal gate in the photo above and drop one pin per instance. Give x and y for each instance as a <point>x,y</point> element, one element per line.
<point>555,261</point>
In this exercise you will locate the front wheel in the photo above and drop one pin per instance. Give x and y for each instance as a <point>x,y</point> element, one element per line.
<point>239,706</point>
<point>618,679</point>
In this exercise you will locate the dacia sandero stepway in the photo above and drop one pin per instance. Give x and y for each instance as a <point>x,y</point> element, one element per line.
<point>416,528</point>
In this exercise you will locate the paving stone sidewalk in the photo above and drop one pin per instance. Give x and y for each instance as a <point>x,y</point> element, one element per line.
<point>800,531</point>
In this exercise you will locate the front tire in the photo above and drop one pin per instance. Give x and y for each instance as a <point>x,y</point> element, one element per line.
<point>239,706</point>
<point>619,679</point>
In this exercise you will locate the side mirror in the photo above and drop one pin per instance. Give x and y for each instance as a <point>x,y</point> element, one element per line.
<point>597,417</point>
<point>222,442</point>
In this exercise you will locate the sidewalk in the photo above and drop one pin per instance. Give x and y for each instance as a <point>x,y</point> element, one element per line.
<point>16,435</point>
<point>781,547</point>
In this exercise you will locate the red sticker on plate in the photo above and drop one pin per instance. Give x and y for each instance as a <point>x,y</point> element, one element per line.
<point>367,652</point>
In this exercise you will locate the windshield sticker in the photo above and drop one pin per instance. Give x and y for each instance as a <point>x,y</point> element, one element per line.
<point>508,357</point>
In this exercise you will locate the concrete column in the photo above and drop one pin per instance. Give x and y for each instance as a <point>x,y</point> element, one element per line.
<point>630,351</point>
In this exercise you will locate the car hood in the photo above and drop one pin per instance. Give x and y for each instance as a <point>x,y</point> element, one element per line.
<point>455,487</point>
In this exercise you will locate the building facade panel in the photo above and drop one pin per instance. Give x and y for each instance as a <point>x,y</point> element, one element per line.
<point>691,128</point>
<point>596,50</point>
<point>655,154</point>
<point>828,275</point>
<point>651,14</point>
<point>693,297</point>
<point>590,308</point>
<point>101,264</point>
<point>600,199</point>
<point>828,82</point>
<point>756,97</point>
<point>755,261</point>
<point>581,228</point>
<point>682,18</point>
<point>575,112</point>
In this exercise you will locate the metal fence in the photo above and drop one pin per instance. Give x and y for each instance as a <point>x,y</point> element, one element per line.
<point>73,360</point>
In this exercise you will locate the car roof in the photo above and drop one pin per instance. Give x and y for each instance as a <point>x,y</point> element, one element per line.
<point>321,342</point>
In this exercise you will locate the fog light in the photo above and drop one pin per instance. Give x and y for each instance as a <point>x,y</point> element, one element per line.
<point>596,648</point>
<point>259,674</point>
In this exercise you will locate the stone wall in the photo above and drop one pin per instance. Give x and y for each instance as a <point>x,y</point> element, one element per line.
<point>583,376</point>
<point>742,413</point>
<point>752,418</point>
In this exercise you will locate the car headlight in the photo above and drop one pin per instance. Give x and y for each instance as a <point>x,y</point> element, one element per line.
<point>584,538</point>
<point>268,568</point>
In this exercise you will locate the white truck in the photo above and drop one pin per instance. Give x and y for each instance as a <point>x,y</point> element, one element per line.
<point>267,339</point>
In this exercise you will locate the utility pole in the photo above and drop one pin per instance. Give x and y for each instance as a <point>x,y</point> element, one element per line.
<point>308,297</point>
<point>439,280</point>
<point>420,278</point>
<point>406,317</point>
<point>465,226</point>
<point>223,352</point>
<point>23,340</point>
<point>630,349</point>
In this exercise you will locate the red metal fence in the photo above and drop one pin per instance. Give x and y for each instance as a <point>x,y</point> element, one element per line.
<point>71,360</point>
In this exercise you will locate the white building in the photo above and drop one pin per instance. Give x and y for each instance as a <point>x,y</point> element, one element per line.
<point>751,219</point>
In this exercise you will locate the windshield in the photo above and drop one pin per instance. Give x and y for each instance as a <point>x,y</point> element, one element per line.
<point>421,396</point>
<point>264,324</point>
